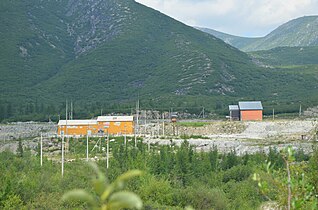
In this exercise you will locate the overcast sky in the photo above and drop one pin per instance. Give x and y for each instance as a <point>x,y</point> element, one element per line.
<point>237,17</point>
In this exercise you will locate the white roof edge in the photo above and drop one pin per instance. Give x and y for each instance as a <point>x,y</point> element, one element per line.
<point>77,122</point>
<point>115,118</point>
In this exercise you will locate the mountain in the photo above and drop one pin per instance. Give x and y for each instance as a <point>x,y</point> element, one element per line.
<point>298,32</point>
<point>302,31</point>
<point>235,41</point>
<point>287,56</point>
<point>107,53</point>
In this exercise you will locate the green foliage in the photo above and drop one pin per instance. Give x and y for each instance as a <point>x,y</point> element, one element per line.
<point>110,196</point>
<point>156,190</point>
<point>312,170</point>
<point>237,173</point>
<point>203,198</point>
<point>291,187</point>
<point>193,124</point>
<point>186,137</point>
<point>13,202</point>
<point>174,178</point>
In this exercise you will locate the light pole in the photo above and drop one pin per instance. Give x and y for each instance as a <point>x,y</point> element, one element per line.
<point>87,147</point>
<point>107,152</point>
<point>41,149</point>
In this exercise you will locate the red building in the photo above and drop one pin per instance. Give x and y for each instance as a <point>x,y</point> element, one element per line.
<point>251,110</point>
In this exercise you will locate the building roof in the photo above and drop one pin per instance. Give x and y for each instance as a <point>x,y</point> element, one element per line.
<point>234,107</point>
<point>115,118</point>
<point>77,122</point>
<point>250,105</point>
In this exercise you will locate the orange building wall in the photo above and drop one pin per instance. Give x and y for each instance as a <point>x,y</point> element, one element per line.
<point>113,128</point>
<point>252,115</point>
<point>78,130</point>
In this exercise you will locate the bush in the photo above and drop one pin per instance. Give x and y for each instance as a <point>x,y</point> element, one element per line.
<point>13,202</point>
<point>156,190</point>
<point>200,197</point>
<point>237,173</point>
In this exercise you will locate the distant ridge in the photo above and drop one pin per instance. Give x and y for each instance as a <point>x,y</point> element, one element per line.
<point>301,31</point>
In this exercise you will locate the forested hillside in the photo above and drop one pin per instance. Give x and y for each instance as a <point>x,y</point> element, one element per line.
<point>287,56</point>
<point>104,54</point>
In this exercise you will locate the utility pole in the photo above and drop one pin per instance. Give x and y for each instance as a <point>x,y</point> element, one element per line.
<point>137,113</point>
<point>87,147</point>
<point>71,117</point>
<point>300,110</point>
<point>135,140</point>
<point>163,124</point>
<point>107,152</point>
<point>63,139</point>
<point>63,155</point>
<point>158,131</point>
<point>203,113</point>
<point>273,114</point>
<point>125,139</point>
<point>137,121</point>
<point>41,149</point>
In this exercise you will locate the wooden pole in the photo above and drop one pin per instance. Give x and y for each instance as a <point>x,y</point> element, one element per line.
<point>87,147</point>
<point>107,153</point>
<point>41,149</point>
<point>203,116</point>
<point>63,155</point>
<point>163,124</point>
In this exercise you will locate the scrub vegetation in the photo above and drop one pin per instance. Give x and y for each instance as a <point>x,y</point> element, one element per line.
<point>172,178</point>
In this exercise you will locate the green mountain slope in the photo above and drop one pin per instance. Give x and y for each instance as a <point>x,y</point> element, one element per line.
<point>111,49</point>
<point>235,41</point>
<point>298,32</point>
<point>100,52</point>
<point>287,56</point>
<point>302,31</point>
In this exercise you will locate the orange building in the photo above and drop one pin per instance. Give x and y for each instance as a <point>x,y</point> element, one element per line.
<point>103,125</point>
<point>251,110</point>
<point>116,125</point>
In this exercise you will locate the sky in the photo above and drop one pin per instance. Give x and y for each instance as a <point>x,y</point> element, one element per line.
<point>251,18</point>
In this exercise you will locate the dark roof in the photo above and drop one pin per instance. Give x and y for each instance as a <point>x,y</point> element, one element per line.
<point>234,107</point>
<point>250,105</point>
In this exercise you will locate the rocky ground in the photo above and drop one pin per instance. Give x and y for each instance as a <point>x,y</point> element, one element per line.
<point>28,132</point>
<point>250,137</point>
<point>22,130</point>
<point>244,137</point>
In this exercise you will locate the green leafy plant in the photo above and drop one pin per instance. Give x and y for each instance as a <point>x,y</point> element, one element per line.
<point>291,188</point>
<point>107,195</point>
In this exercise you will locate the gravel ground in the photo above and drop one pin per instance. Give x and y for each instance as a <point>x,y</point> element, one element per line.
<point>244,137</point>
<point>257,136</point>
<point>24,130</point>
<point>241,147</point>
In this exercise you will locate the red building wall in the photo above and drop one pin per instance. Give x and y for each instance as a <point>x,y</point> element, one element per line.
<point>254,115</point>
